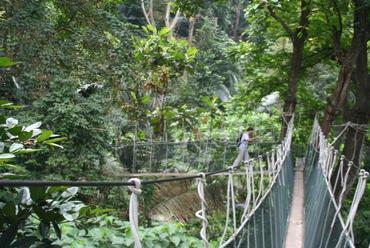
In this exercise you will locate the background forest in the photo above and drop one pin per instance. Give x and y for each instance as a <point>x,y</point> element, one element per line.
<point>106,75</point>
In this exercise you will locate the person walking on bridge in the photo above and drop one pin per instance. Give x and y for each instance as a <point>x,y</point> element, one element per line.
<point>245,138</point>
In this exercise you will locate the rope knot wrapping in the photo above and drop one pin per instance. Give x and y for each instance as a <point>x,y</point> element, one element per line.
<point>133,210</point>
<point>201,214</point>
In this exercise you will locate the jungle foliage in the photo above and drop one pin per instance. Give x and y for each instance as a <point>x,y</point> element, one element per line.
<point>104,74</point>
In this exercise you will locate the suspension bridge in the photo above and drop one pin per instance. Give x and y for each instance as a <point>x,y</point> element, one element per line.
<point>282,206</point>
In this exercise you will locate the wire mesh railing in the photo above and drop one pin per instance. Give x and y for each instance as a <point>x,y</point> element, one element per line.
<point>267,223</point>
<point>324,223</point>
<point>198,155</point>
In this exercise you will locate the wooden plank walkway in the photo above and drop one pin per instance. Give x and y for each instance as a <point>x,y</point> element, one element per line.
<point>295,233</point>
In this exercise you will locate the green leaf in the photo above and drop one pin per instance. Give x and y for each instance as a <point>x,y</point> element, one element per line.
<point>33,126</point>
<point>49,141</point>
<point>15,131</point>
<point>151,28</point>
<point>164,32</point>
<point>6,62</point>
<point>44,135</point>
<point>118,240</point>
<point>2,119</point>
<point>9,209</point>
<point>55,189</point>
<point>37,193</point>
<point>191,52</point>
<point>26,151</point>
<point>56,145</point>
<point>146,99</point>
<point>133,96</point>
<point>15,146</point>
<point>4,102</point>
<point>175,239</point>
<point>70,192</point>
<point>24,135</point>
<point>6,156</point>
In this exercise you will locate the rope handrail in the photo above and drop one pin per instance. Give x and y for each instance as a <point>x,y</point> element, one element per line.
<point>35,183</point>
<point>329,163</point>
<point>153,143</point>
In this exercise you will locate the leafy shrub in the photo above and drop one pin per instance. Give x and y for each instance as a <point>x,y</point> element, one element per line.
<point>108,231</point>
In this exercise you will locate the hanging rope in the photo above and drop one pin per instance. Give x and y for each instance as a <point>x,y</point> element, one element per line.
<point>133,210</point>
<point>361,185</point>
<point>249,178</point>
<point>341,133</point>
<point>201,214</point>
<point>230,201</point>
<point>260,188</point>
<point>134,150</point>
<point>332,166</point>
<point>151,150</point>
<point>344,188</point>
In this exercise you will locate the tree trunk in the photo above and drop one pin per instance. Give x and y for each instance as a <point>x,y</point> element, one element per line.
<point>337,99</point>
<point>360,114</point>
<point>298,39</point>
<point>290,100</point>
<point>237,20</point>
<point>192,21</point>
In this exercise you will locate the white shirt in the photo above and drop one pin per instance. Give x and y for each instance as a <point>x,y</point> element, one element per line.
<point>244,140</point>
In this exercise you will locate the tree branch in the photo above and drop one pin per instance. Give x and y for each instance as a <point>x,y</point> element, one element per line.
<point>145,12</point>
<point>167,16</point>
<point>337,33</point>
<point>151,13</point>
<point>174,22</point>
<point>281,21</point>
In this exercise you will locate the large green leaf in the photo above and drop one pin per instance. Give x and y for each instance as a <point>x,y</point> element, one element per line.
<point>33,126</point>
<point>6,62</point>
<point>37,193</point>
<point>9,210</point>
<point>44,135</point>
<point>24,135</point>
<point>15,147</point>
<point>49,141</point>
<point>6,156</point>
<point>26,151</point>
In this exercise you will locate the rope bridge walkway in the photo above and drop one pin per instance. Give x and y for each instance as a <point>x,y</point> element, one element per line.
<point>264,216</point>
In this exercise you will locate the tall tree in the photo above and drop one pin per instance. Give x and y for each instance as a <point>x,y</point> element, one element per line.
<point>345,57</point>
<point>297,36</point>
<point>360,113</point>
